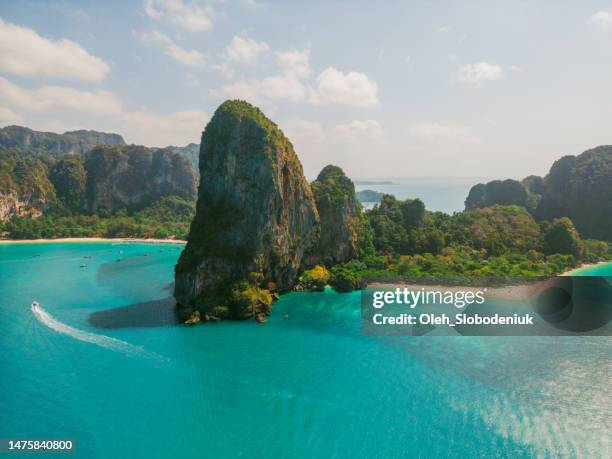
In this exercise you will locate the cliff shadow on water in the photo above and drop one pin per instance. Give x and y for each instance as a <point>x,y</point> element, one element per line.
<point>148,314</point>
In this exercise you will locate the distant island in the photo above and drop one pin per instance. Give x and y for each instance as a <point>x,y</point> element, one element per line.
<point>256,228</point>
<point>369,196</point>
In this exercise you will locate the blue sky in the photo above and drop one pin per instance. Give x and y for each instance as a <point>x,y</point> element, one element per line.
<point>411,89</point>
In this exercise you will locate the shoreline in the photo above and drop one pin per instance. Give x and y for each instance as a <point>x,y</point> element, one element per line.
<point>506,292</point>
<point>92,239</point>
<point>582,266</point>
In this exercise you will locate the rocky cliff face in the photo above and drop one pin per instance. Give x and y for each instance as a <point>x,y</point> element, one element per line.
<point>580,187</point>
<point>256,217</point>
<point>22,204</point>
<point>577,187</point>
<point>102,181</point>
<point>339,212</point>
<point>132,177</point>
<point>26,141</point>
<point>24,186</point>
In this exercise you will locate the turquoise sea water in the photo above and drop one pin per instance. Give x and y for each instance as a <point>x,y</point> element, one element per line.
<point>103,363</point>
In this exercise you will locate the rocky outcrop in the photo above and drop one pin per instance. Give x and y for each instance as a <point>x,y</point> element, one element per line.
<point>577,187</point>
<point>27,141</point>
<point>100,182</point>
<point>190,151</point>
<point>25,205</point>
<point>580,187</point>
<point>133,177</point>
<point>506,192</point>
<point>25,189</point>
<point>339,213</point>
<point>256,222</point>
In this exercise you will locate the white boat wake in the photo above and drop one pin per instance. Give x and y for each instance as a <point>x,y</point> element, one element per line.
<point>99,340</point>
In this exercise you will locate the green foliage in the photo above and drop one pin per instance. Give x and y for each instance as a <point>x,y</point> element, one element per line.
<point>69,179</point>
<point>169,217</point>
<point>25,175</point>
<point>497,192</point>
<point>561,237</point>
<point>497,230</point>
<point>595,251</point>
<point>315,278</point>
<point>465,261</point>
<point>222,312</point>
<point>247,300</point>
<point>348,276</point>
<point>332,187</point>
<point>391,221</point>
<point>579,187</point>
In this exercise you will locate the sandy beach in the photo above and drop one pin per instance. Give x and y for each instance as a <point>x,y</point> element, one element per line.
<point>572,271</point>
<point>91,239</point>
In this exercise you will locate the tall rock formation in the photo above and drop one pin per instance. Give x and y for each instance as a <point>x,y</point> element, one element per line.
<point>255,219</point>
<point>580,187</point>
<point>339,212</point>
<point>577,187</point>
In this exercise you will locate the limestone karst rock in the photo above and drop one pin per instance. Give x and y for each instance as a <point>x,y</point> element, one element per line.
<point>339,212</point>
<point>256,221</point>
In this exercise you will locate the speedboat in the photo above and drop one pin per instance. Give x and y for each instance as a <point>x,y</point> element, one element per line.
<point>34,304</point>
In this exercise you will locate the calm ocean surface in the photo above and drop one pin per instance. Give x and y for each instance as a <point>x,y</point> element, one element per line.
<point>442,194</point>
<point>102,363</point>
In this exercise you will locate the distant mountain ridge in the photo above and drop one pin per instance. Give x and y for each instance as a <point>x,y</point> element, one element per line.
<point>64,172</point>
<point>24,140</point>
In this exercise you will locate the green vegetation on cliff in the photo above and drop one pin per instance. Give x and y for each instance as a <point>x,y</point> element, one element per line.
<point>577,187</point>
<point>25,141</point>
<point>345,233</point>
<point>255,214</point>
<point>112,192</point>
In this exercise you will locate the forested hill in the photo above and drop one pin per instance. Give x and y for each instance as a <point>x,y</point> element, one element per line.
<point>577,187</point>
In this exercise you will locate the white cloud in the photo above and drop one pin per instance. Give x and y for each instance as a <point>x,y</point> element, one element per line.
<point>155,129</point>
<point>245,50</point>
<point>273,88</point>
<point>99,110</point>
<point>602,19</point>
<point>444,29</point>
<point>51,98</point>
<point>295,62</point>
<point>25,52</point>
<point>187,16</point>
<point>286,86</point>
<point>252,4</point>
<point>151,10</point>
<point>352,89</point>
<point>187,57</point>
<point>303,132</point>
<point>224,69</point>
<point>359,131</point>
<point>442,133</point>
<point>479,72</point>
<point>8,117</point>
